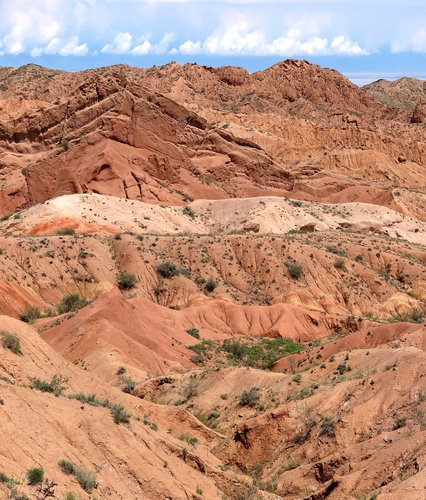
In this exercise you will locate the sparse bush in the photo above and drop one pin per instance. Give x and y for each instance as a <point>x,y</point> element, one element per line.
<point>294,269</point>
<point>30,313</point>
<point>72,303</point>
<point>194,332</point>
<point>126,281</point>
<point>121,370</point>
<point>86,479</point>
<point>399,422</point>
<point>210,285</point>
<point>89,399</point>
<point>190,390</point>
<point>54,386</point>
<point>250,398</point>
<point>189,212</point>
<point>189,439</point>
<point>68,231</point>
<point>71,496</point>
<point>11,341</point>
<point>328,425</point>
<point>35,475</point>
<point>128,384</point>
<point>337,251</point>
<point>359,258</point>
<point>120,414</point>
<point>309,422</point>
<point>167,269</point>
<point>236,350</point>
<point>339,263</point>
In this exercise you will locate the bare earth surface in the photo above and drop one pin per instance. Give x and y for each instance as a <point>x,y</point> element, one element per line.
<point>212,284</point>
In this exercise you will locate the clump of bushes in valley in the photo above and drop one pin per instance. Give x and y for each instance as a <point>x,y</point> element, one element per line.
<point>126,281</point>
<point>71,303</point>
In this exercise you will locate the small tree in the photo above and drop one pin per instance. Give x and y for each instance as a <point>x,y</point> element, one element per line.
<point>126,281</point>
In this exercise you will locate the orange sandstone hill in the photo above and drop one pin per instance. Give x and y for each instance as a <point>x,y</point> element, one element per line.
<point>212,284</point>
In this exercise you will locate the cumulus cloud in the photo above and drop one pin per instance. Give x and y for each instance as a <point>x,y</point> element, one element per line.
<point>239,39</point>
<point>121,45</point>
<point>61,47</point>
<point>189,48</point>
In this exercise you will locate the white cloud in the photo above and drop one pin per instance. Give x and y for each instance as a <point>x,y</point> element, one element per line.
<point>63,48</point>
<point>142,49</point>
<point>347,47</point>
<point>189,48</point>
<point>72,48</point>
<point>415,42</point>
<point>238,39</point>
<point>122,44</point>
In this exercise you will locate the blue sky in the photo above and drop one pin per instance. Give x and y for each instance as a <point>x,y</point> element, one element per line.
<point>364,39</point>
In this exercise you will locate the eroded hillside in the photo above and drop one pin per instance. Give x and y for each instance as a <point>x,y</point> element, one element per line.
<point>212,284</point>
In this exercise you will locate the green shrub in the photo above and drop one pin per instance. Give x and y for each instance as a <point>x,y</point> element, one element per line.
<point>194,332</point>
<point>168,269</point>
<point>86,479</point>
<point>54,386</point>
<point>89,399</point>
<point>35,475</point>
<point>210,285</point>
<point>236,350</point>
<point>120,414</point>
<point>30,313</point>
<point>337,251</point>
<point>188,211</point>
<point>11,341</point>
<point>294,269</point>
<point>189,439</point>
<point>121,370</point>
<point>400,422</point>
<point>128,384</point>
<point>71,496</point>
<point>126,281</point>
<point>328,426</point>
<point>72,303</point>
<point>250,398</point>
<point>309,422</point>
<point>68,231</point>
<point>339,263</point>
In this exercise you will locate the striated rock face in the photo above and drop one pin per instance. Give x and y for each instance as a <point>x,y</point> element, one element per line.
<point>419,114</point>
<point>212,283</point>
